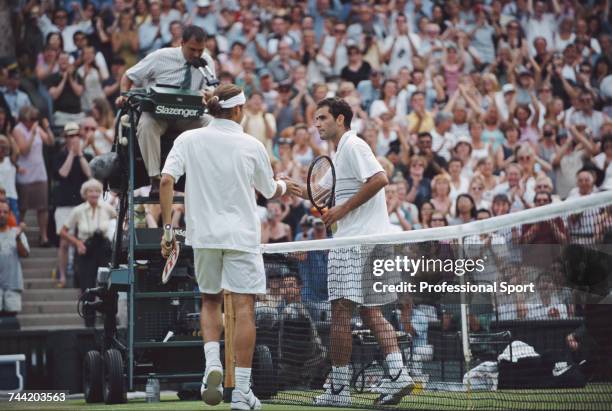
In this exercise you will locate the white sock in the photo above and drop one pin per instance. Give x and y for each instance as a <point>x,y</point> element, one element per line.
<point>243,379</point>
<point>394,362</point>
<point>211,353</point>
<point>340,376</point>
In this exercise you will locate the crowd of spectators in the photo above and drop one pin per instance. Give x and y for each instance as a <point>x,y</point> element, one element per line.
<point>496,105</point>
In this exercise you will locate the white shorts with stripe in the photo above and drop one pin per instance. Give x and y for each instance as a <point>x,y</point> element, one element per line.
<point>349,275</point>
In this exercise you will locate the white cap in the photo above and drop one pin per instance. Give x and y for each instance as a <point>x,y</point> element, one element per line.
<point>71,128</point>
<point>463,139</point>
<point>203,3</point>
<point>507,88</point>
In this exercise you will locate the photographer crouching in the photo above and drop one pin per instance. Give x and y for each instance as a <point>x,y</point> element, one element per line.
<point>87,229</point>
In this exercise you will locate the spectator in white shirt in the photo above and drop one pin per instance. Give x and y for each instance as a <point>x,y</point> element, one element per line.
<point>399,48</point>
<point>587,116</point>
<point>205,17</point>
<point>540,23</point>
<point>334,49</point>
<point>442,139</point>
<point>519,195</point>
<point>585,184</point>
<point>279,35</point>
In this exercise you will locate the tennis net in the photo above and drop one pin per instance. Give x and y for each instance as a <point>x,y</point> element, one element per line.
<point>508,312</point>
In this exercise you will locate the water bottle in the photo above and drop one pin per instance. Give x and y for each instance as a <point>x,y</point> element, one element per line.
<point>152,389</point>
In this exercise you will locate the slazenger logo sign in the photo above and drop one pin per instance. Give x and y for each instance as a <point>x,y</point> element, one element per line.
<point>175,111</point>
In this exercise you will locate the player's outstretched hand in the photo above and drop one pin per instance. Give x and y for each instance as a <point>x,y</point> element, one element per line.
<point>293,188</point>
<point>333,215</point>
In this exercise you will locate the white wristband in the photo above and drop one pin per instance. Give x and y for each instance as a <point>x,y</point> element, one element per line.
<point>283,185</point>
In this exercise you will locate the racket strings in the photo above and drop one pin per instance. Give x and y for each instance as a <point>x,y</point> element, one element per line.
<point>321,183</point>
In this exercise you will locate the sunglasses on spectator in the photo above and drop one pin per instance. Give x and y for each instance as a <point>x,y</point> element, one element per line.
<point>417,165</point>
<point>521,158</point>
<point>545,90</point>
<point>441,220</point>
<point>72,135</point>
<point>541,201</point>
<point>477,188</point>
<point>89,128</point>
<point>544,186</point>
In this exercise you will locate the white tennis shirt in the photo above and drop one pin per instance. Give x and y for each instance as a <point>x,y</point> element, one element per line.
<point>223,166</point>
<point>355,164</point>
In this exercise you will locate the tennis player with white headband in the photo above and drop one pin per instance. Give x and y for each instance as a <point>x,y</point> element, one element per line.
<point>224,166</point>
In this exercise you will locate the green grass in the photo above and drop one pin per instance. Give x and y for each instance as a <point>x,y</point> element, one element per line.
<point>592,397</point>
<point>166,404</point>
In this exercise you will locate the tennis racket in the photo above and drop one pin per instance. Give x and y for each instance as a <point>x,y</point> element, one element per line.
<point>173,257</point>
<point>321,183</point>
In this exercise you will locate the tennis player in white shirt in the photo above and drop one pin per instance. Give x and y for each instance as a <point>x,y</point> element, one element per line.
<point>224,166</point>
<point>360,210</point>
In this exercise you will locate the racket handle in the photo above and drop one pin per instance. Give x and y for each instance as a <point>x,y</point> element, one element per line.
<point>167,234</point>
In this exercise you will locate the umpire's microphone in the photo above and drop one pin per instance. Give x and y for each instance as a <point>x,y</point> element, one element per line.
<point>202,65</point>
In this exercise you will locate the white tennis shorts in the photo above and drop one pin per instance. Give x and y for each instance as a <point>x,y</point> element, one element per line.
<point>349,275</point>
<point>236,271</point>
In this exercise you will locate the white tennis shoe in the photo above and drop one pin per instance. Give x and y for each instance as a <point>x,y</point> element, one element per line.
<point>392,390</point>
<point>245,401</point>
<point>332,397</point>
<point>212,390</point>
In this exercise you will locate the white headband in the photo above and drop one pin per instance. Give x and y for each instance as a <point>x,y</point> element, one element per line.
<point>237,100</point>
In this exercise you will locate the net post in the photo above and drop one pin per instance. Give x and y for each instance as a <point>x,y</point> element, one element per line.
<point>465,342</point>
<point>229,324</point>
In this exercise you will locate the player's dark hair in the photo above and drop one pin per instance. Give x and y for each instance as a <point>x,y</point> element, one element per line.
<point>194,32</point>
<point>223,92</point>
<point>336,107</point>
